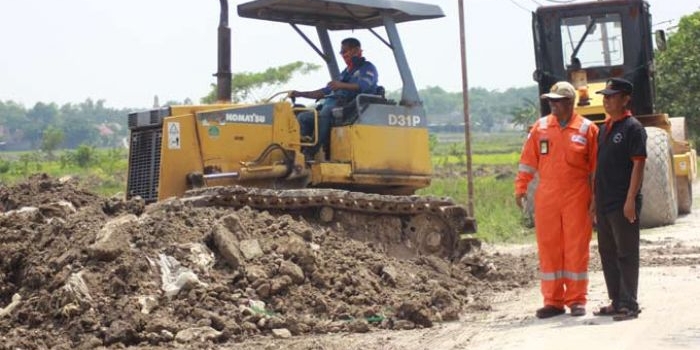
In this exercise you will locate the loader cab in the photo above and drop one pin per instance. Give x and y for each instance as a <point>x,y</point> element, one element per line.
<point>587,43</point>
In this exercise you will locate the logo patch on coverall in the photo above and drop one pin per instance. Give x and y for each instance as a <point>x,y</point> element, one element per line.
<point>579,139</point>
<point>544,146</point>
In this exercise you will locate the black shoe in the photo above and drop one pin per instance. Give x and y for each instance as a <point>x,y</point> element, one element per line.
<point>607,310</point>
<point>308,154</point>
<point>549,311</point>
<point>577,310</point>
<point>625,314</point>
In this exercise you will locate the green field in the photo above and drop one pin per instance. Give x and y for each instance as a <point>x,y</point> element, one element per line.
<point>494,165</point>
<point>102,171</point>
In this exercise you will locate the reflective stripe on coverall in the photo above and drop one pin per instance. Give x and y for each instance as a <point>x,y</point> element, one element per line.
<point>565,160</point>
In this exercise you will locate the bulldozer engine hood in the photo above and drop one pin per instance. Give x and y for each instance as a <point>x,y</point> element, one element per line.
<point>247,115</point>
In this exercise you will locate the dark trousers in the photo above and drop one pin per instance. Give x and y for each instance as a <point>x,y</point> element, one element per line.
<point>325,121</point>
<point>618,245</point>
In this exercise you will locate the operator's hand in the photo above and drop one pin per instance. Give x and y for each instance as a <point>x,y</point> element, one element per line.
<point>629,210</point>
<point>294,94</point>
<point>519,198</point>
<point>335,85</point>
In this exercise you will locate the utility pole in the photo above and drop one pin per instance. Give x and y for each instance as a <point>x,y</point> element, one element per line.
<point>465,102</point>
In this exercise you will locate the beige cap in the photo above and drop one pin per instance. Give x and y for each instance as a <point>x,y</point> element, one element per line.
<point>562,89</point>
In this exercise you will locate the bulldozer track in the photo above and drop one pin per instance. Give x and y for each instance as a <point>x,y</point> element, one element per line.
<point>454,218</point>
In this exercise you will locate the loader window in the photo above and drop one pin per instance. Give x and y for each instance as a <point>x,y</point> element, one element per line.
<point>591,41</point>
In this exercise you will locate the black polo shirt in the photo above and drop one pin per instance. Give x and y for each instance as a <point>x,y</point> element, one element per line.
<point>618,144</point>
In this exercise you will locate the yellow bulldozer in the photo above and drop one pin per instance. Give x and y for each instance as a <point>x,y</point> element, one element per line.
<point>588,42</point>
<point>249,154</point>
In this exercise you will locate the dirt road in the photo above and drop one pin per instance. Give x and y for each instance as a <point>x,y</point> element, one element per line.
<point>668,293</point>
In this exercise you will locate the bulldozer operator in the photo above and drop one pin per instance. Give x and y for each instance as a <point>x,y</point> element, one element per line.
<point>359,76</point>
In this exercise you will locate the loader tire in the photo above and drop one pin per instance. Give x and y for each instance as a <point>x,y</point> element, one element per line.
<point>685,194</point>
<point>659,205</point>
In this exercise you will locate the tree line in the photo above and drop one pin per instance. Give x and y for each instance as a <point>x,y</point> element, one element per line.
<point>678,73</point>
<point>48,125</point>
<point>489,110</point>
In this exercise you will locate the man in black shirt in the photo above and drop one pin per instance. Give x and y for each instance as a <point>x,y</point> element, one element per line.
<point>618,181</point>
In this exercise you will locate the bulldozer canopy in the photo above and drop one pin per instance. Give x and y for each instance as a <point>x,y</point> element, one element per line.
<point>338,14</point>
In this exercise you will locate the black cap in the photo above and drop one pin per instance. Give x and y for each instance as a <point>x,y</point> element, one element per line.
<point>352,42</point>
<point>615,86</point>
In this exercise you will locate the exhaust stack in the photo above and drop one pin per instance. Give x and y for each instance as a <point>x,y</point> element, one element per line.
<point>223,73</point>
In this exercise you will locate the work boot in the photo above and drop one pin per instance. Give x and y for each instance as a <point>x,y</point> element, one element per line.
<point>625,314</point>
<point>577,310</point>
<point>549,311</point>
<point>308,154</point>
<point>307,139</point>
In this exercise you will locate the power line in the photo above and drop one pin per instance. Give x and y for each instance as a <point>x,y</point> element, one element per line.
<point>520,6</point>
<point>668,21</point>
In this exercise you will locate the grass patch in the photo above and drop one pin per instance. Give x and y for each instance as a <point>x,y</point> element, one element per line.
<point>498,218</point>
<point>478,159</point>
<point>494,164</point>
<point>482,143</point>
<point>102,171</point>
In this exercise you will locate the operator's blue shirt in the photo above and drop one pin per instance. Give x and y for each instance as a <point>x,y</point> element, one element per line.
<point>363,73</point>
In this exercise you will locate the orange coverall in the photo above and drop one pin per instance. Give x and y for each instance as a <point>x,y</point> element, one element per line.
<point>565,160</point>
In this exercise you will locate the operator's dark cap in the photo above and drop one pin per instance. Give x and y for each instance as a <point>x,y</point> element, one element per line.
<point>615,86</point>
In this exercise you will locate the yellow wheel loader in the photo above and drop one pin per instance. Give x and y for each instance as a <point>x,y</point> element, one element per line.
<point>239,155</point>
<point>586,43</point>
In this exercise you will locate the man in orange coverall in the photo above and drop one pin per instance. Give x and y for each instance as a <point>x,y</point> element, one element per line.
<point>562,148</point>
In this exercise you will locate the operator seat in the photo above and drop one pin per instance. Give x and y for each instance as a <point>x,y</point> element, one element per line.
<point>349,112</point>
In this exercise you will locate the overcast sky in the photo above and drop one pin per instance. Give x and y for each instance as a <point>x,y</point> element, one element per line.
<point>127,51</point>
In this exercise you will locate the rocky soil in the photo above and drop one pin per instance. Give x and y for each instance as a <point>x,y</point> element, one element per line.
<point>79,271</point>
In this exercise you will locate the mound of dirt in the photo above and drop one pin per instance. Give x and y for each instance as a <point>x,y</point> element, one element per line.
<point>81,271</point>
